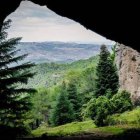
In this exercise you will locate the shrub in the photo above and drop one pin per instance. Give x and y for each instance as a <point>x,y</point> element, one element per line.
<point>99,108</point>
<point>121,102</point>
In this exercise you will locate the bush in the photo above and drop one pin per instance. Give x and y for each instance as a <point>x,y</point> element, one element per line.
<point>99,108</point>
<point>101,111</point>
<point>87,109</point>
<point>121,102</point>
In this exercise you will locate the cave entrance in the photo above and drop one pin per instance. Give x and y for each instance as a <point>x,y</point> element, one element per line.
<point>45,28</point>
<point>36,23</point>
<point>48,37</point>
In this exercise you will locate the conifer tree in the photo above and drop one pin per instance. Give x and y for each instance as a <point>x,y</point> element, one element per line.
<point>63,111</point>
<point>73,98</point>
<point>106,71</point>
<point>14,100</point>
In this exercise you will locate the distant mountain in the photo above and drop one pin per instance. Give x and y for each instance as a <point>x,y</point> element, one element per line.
<point>60,52</point>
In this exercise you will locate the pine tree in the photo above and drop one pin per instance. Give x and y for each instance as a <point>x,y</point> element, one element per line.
<point>63,111</point>
<point>14,101</point>
<point>73,98</point>
<point>106,71</point>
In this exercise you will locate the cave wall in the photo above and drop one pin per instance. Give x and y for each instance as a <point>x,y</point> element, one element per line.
<point>116,20</point>
<point>128,63</point>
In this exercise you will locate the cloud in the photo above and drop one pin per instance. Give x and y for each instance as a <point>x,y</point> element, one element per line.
<point>36,23</point>
<point>29,10</point>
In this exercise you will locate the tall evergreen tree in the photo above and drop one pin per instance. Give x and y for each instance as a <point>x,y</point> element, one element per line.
<point>63,111</point>
<point>106,71</point>
<point>73,98</point>
<point>14,101</point>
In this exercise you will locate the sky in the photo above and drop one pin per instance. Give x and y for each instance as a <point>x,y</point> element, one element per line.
<point>36,23</point>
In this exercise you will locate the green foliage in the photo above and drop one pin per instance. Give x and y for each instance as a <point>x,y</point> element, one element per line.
<point>113,54</point>
<point>63,110</point>
<point>121,102</point>
<point>99,108</point>
<point>88,79</point>
<point>109,93</point>
<point>107,84</point>
<point>87,109</point>
<point>49,74</point>
<point>107,77</point>
<point>102,110</point>
<point>14,100</point>
<point>74,99</point>
<point>80,73</point>
<point>40,108</point>
<point>80,86</point>
<point>84,81</point>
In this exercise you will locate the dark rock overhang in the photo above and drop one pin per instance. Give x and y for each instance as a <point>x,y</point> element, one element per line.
<point>115,20</point>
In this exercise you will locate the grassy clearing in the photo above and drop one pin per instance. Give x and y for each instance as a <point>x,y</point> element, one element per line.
<point>129,118</point>
<point>123,122</point>
<point>63,130</point>
<point>79,128</point>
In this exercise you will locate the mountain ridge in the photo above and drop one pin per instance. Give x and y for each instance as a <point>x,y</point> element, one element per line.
<point>58,52</point>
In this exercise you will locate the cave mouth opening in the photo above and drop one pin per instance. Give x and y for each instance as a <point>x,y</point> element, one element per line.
<point>38,24</point>
<point>34,22</point>
<point>26,23</point>
<point>115,21</point>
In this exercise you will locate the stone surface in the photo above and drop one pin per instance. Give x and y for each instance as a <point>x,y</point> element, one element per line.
<point>128,63</point>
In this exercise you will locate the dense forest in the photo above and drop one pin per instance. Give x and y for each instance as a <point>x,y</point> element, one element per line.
<point>52,99</point>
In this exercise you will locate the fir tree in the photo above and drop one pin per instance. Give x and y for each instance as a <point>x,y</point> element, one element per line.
<point>63,111</point>
<point>73,98</point>
<point>14,101</point>
<point>106,71</point>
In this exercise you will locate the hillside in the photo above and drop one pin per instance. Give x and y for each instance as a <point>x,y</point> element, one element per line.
<point>48,74</point>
